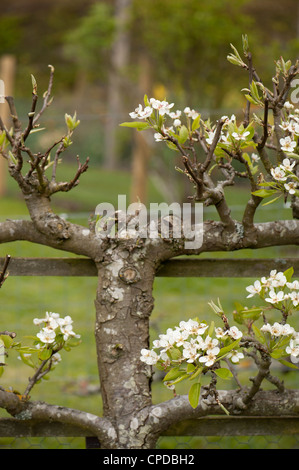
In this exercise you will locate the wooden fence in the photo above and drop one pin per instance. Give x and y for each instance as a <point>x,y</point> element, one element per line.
<point>181,267</point>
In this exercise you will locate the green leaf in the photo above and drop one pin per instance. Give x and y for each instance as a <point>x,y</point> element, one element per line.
<point>1,370</point>
<point>44,354</point>
<point>251,100</point>
<point>237,314</point>
<point>174,353</point>
<point>211,328</point>
<point>255,91</point>
<point>140,126</point>
<point>234,60</point>
<point>73,342</point>
<point>172,146</point>
<point>180,379</point>
<point>196,123</point>
<point>7,340</point>
<point>190,368</point>
<point>196,373</point>
<point>252,313</point>
<point>183,135</point>
<point>245,43</point>
<point>34,85</point>
<point>224,351</point>
<point>173,374</point>
<point>288,364</point>
<point>277,353</point>
<point>289,274</point>
<point>146,101</point>
<point>264,192</point>
<point>272,200</point>
<point>258,334</point>
<point>194,394</point>
<point>223,373</point>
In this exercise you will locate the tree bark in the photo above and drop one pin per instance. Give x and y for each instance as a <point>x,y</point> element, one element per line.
<point>124,303</point>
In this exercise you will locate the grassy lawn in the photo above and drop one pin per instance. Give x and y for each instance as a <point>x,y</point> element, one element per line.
<point>24,298</point>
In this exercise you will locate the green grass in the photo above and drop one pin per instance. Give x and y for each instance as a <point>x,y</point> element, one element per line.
<point>24,298</point>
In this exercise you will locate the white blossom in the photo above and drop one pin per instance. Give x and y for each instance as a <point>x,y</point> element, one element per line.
<point>191,354</point>
<point>293,285</point>
<point>235,356</point>
<point>235,333</point>
<point>149,356</point>
<point>241,136</point>
<point>162,106</point>
<point>293,348</point>
<point>287,165</point>
<point>47,335</point>
<point>141,113</point>
<point>210,138</point>
<point>254,157</point>
<point>175,115</point>
<point>294,296</point>
<point>287,144</point>
<point>211,357</point>
<point>191,113</point>
<point>291,187</point>
<point>288,105</point>
<point>278,174</point>
<point>266,328</point>
<point>177,123</point>
<point>209,343</point>
<point>287,330</point>
<point>276,329</point>
<point>275,297</point>
<point>192,327</point>
<point>220,333</point>
<point>254,289</point>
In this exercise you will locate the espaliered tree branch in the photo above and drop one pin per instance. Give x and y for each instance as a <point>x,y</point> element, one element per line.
<point>30,169</point>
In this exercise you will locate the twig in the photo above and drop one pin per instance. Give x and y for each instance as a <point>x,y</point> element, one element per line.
<point>211,150</point>
<point>46,102</point>
<point>262,143</point>
<point>17,126</point>
<point>39,374</point>
<point>12,334</point>
<point>250,69</point>
<point>31,116</point>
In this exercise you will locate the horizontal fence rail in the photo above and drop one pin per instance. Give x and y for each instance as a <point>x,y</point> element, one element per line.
<point>181,267</point>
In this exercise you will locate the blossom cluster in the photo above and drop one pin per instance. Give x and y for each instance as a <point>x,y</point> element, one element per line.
<point>284,174</point>
<point>290,126</point>
<point>155,109</point>
<point>278,330</point>
<point>282,293</point>
<point>278,290</point>
<point>184,126</point>
<point>55,328</point>
<point>192,343</point>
